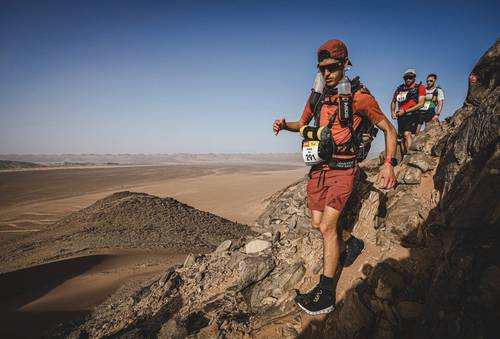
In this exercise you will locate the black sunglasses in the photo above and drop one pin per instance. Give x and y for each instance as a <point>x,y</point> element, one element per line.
<point>331,67</point>
<point>406,77</point>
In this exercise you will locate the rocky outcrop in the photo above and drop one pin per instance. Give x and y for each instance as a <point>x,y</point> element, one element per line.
<point>464,294</point>
<point>124,220</point>
<point>433,269</point>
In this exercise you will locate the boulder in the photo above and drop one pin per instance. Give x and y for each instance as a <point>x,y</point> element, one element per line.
<point>383,290</point>
<point>190,260</point>
<point>254,269</point>
<point>402,221</point>
<point>277,285</point>
<point>410,309</point>
<point>408,175</point>
<point>355,320</point>
<point>164,278</point>
<point>224,246</point>
<point>172,330</point>
<point>418,160</point>
<point>256,246</point>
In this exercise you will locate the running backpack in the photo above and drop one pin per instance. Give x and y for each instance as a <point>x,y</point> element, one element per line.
<point>411,95</point>
<point>356,149</point>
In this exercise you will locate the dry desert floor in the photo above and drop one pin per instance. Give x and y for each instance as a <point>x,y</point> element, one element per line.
<point>37,298</point>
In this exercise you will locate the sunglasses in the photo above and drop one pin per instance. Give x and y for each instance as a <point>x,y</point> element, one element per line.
<point>331,67</point>
<point>430,80</point>
<point>407,77</point>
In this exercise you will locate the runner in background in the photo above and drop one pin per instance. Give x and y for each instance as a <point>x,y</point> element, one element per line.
<point>433,103</point>
<point>410,98</point>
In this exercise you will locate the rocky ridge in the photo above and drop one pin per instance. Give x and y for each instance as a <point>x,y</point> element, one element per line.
<point>124,220</point>
<point>430,268</point>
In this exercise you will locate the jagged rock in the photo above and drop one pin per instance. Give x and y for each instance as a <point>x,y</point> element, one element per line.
<point>224,246</point>
<point>254,269</point>
<point>368,210</point>
<point>424,142</point>
<point>277,285</point>
<point>276,237</point>
<point>355,320</point>
<point>409,175</point>
<point>190,260</point>
<point>289,332</point>
<point>166,276</point>
<point>469,207</point>
<point>172,330</point>
<point>418,160</point>
<point>173,282</point>
<point>391,277</point>
<point>410,309</point>
<point>383,291</point>
<point>256,246</point>
<point>402,222</point>
<point>383,330</point>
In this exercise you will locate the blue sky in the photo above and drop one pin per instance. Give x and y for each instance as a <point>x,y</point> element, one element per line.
<point>199,77</point>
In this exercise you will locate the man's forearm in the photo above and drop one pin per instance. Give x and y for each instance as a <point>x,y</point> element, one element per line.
<point>440,107</point>
<point>393,107</point>
<point>294,126</point>
<point>414,108</point>
<point>391,141</point>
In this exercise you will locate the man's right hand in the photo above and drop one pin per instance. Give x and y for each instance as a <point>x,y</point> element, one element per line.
<point>278,125</point>
<point>393,115</point>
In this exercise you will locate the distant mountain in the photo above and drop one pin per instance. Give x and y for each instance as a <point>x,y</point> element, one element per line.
<point>10,164</point>
<point>155,159</point>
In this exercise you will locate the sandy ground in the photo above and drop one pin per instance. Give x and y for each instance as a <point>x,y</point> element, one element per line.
<point>37,298</point>
<point>31,199</point>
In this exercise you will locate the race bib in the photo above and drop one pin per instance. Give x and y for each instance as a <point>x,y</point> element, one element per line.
<point>402,96</point>
<point>310,152</point>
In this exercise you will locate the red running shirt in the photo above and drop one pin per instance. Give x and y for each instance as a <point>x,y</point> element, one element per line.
<point>410,103</point>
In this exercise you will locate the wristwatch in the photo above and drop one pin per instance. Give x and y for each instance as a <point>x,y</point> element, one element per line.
<point>392,161</point>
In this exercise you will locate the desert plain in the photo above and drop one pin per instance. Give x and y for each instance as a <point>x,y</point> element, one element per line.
<point>38,292</point>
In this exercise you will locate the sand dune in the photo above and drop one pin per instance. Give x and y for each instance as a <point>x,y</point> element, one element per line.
<point>43,296</point>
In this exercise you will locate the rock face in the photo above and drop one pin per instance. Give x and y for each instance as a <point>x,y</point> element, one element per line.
<point>468,180</point>
<point>443,215</point>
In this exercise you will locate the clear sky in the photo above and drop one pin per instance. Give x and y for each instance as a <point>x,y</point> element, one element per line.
<point>209,76</point>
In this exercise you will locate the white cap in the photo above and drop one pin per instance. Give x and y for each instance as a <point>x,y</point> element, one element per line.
<point>410,70</point>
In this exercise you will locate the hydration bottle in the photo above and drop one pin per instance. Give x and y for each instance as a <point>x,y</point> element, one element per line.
<point>318,86</point>
<point>345,99</point>
<point>344,86</point>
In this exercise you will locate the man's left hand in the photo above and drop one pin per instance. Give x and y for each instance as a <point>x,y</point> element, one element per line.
<point>386,177</point>
<point>435,118</point>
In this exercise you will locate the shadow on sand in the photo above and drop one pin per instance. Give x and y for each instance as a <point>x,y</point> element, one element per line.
<point>21,287</point>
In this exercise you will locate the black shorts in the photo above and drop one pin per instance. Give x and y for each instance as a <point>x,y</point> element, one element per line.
<point>426,116</point>
<point>407,123</point>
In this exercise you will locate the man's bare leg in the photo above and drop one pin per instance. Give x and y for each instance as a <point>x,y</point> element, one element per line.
<point>419,127</point>
<point>316,217</point>
<point>331,241</point>
<point>407,140</point>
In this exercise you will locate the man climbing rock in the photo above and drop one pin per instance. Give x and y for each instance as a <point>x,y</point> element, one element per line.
<point>433,104</point>
<point>410,98</point>
<point>344,113</point>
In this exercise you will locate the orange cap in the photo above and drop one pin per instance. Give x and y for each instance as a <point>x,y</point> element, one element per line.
<point>334,49</point>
